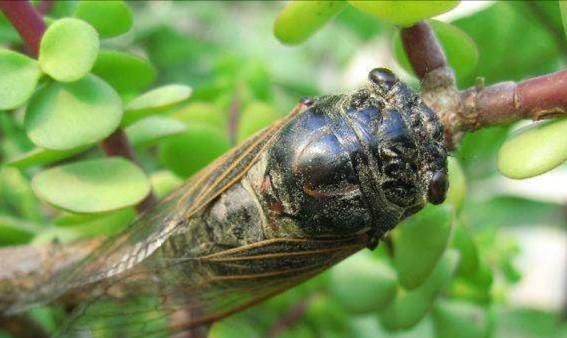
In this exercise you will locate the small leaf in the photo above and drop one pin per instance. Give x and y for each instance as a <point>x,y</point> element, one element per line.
<point>41,156</point>
<point>156,101</point>
<point>68,49</point>
<point>362,284</point>
<point>92,186</point>
<point>128,74</point>
<point>457,184</point>
<point>464,242</point>
<point>109,17</point>
<point>301,19</point>
<point>185,154</point>
<point>256,116</point>
<point>19,78</point>
<point>63,116</point>
<point>534,150</point>
<point>163,182</point>
<point>202,112</point>
<point>409,307</point>
<point>461,51</point>
<point>89,225</point>
<point>458,319</point>
<point>419,242</point>
<point>405,13</point>
<point>14,231</point>
<point>152,129</point>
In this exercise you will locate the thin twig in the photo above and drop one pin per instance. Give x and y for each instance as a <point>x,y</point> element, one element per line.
<point>26,20</point>
<point>234,115</point>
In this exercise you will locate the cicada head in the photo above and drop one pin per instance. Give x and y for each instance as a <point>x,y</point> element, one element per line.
<point>405,141</point>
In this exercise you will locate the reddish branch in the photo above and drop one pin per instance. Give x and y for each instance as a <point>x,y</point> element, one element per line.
<point>26,20</point>
<point>479,107</point>
<point>295,313</point>
<point>30,25</point>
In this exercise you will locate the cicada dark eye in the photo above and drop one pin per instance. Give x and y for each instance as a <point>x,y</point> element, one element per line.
<point>438,187</point>
<point>382,77</point>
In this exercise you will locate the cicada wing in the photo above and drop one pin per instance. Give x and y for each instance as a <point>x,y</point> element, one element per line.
<point>204,289</point>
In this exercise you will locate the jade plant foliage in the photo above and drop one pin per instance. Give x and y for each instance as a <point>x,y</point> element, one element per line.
<point>185,86</point>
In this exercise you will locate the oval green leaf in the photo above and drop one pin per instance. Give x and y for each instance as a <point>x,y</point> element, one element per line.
<point>534,150</point>
<point>301,19</point>
<point>14,231</point>
<point>185,154</point>
<point>156,101</point>
<point>163,182</point>
<point>92,186</point>
<point>63,116</point>
<point>68,49</point>
<point>127,73</point>
<point>99,224</point>
<point>41,156</point>
<point>256,116</point>
<point>460,49</point>
<point>109,17</point>
<point>152,129</point>
<point>419,242</point>
<point>362,284</point>
<point>19,78</point>
<point>409,307</point>
<point>405,13</point>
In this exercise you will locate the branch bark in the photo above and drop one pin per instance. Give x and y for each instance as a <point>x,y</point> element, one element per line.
<point>478,107</point>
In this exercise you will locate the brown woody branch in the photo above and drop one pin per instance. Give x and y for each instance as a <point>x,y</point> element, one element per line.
<point>478,107</point>
<point>30,25</point>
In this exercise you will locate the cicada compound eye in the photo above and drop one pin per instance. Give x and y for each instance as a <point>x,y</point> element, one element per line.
<point>438,187</point>
<point>382,77</point>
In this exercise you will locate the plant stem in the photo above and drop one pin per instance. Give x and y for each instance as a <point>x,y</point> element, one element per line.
<point>478,107</point>
<point>294,314</point>
<point>27,21</point>
<point>30,25</point>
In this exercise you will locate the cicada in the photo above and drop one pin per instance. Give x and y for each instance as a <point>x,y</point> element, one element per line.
<point>329,179</point>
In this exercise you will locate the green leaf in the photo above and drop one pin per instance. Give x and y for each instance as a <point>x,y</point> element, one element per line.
<point>163,182</point>
<point>256,116</point>
<point>152,129</point>
<point>68,49</point>
<point>464,242</point>
<point>301,19</point>
<point>92,186</point>
<point>41,156</point>
<point>563,10</point>
<point>405,13</point>
<point>17,195</point>
<point>14,231</point>
<point>19,78</point>
<point>63,116</point>
<point>534,150</point>
<point>202,112</point>
<point>232,328</point>
<point>362,284</point>
<point>128,74</point>
<point>156,101</point>
<point>409,307</point>
<point>419,242</point>
<point>458,319</point>
<point>109,17</point>
<point>89,225</point>
<point>185,154</point>
<point>461,51</point>
<point>457,184</point>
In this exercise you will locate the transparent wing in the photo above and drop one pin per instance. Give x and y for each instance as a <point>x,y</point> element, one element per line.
<point>144,303</point>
